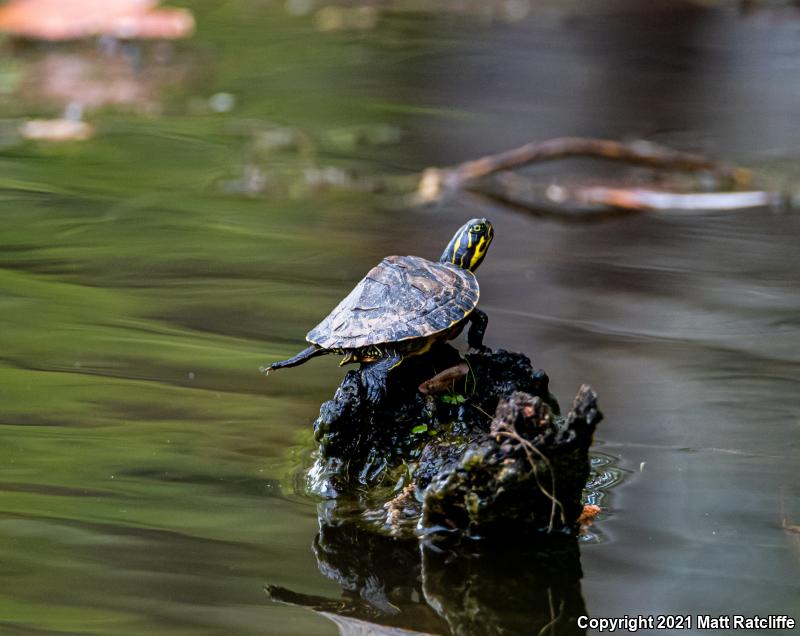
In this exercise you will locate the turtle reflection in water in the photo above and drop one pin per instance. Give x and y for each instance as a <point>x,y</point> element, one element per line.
<point>402,308</point>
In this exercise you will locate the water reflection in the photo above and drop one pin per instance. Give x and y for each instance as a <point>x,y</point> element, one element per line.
<point>434,588</point>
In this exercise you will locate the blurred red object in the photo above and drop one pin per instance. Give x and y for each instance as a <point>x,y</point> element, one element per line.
<point>76,19</point>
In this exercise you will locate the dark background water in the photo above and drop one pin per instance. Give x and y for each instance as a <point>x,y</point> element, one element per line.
<point>149,473</point>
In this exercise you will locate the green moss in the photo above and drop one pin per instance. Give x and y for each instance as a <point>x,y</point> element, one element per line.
<point>472,460</point>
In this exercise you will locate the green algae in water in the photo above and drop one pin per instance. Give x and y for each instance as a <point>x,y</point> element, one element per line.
<point>147,468</point>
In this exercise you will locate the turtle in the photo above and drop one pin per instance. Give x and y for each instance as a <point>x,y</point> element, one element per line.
<point>403,307</point>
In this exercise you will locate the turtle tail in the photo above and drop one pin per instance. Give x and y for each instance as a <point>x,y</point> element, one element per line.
<point>304,356</point>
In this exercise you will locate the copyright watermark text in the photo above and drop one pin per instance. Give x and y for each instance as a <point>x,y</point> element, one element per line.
<point>686,621</point>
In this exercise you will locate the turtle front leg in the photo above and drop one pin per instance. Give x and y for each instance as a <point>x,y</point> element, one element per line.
<point>374,375</point>
<point>478,321</point>
<point>304,356</point>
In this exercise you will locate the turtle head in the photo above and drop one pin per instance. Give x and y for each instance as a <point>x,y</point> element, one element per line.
<point>469,244</point>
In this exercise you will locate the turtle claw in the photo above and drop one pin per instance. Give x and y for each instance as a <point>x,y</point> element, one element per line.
<point>374,377</point>
<point>375,384</point>
<point>483,349</point>
<point>375,392</point>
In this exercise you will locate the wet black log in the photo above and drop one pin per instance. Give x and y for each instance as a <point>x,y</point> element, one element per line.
<point>480,454</point>
<point>527,474</point>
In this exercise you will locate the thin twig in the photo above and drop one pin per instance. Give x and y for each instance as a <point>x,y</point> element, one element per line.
<point>528,447</point>
<point>480,410</point>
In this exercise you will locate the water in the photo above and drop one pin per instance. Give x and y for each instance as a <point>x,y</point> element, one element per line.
<point>149,472</point>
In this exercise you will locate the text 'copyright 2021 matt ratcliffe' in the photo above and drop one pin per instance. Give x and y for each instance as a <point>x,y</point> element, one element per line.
<point>686,621</point>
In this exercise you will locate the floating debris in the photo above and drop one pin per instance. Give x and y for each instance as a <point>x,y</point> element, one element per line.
<point>222,102</point>
<point>333,18</point>
<point>299,7</point>
<point>62,129</point>
<point>352,137</point>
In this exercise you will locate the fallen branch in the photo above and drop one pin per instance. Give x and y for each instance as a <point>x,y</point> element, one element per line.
<point>514,190</point>
<point>435,182</point>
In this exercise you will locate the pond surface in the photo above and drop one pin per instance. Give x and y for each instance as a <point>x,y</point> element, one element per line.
<point>149,478</point>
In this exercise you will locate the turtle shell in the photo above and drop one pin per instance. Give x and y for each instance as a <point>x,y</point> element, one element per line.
<point>402,297</point>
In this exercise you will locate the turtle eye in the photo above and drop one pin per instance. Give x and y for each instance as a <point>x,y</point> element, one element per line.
<point>478,227</point>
